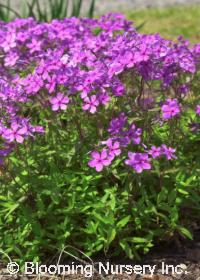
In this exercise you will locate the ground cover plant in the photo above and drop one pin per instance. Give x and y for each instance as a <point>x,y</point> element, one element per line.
<point>99,137</point>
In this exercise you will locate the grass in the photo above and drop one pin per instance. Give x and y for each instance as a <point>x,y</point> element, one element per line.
<point>170,22</point>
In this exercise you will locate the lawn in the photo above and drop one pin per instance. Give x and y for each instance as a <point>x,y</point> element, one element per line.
<point>170,22</point>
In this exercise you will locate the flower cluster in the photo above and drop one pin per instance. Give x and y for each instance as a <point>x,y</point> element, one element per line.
<point>138,161</point>
<point>98,65</point>
<point>170,109</point>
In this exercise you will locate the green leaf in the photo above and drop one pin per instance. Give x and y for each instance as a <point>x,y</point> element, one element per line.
<point>139,240</point>
<point>125,246</point>
<point>91,9</point>
<point>111,236</point>
<point>183,192</point>
<point>103,219</point>
<point>123,221</point>
<point>185,232</point>
<point>172,197</point>
<point>7,7</point>
<point>162,195</point>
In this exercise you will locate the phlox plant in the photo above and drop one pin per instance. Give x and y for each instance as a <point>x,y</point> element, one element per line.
<point>99,137</point>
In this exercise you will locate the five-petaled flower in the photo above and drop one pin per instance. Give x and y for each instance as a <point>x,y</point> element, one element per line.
<point>59,102</point>
<point>91,104</point>
<point>138,161</point>
<point>170,108</point>
<point>99,160</point>
<point>16,132</point>
<point>168,152</point>
<point>34,45</point>
<point>9,42</point>
<point>113,148</point>
<point>155,151</point>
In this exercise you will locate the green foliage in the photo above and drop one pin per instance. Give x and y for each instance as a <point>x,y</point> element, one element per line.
<point>52,9</point>
<point>6,12</point>
<point>50,199</point>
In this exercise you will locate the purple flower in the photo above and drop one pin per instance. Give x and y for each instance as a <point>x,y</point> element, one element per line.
<point>155,151</point>
<point>113,148</point>
<point>32,83</point>
<point>115,68</point>
<point>7,149</point>
<point>133,134</point>
<point>146,103</point>
<point>104,98</point>
<point>16,132</point>
<point>117,124</point>
<point>141,55</point>
<point>138,161</point>
<point>170,109</point>
<point>59,102</point>
<point>10,42</point>
<point>34,46</point>
<point>43,70</point>
<point>168,152</point>
<point>183,89</point>
<point>118,89</point>
<point>51,83</point>
<point>90,104</point>
<point>40,59</point>
<point>99,160</point>
<point>198,110</point>
<point>38,129</point>
<point>11,59</point>
<point>194,127</point>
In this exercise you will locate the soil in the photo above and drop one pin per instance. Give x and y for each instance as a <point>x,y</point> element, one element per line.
<point>184,253</point>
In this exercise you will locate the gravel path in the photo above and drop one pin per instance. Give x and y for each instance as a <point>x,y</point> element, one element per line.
<point>125,5</point>
<point>104,6</point>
